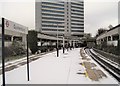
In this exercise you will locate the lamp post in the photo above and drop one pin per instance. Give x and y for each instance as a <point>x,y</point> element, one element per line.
<point>67,43</point>
<point>28,70</point>
<point>57,47</point>
<point>63,44</point>
<point>57,43</point>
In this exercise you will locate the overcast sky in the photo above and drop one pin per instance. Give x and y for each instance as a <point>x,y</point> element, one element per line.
<point>98,13</point>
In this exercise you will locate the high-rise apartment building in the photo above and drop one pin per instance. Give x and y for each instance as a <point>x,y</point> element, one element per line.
<point>65,17</point>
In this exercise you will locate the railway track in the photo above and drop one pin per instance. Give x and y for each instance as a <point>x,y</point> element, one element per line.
<point>110,67</point>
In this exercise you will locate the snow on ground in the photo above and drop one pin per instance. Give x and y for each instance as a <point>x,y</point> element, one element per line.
<point>106,59</point>
<point>109,80</point>
<point>55,70</point>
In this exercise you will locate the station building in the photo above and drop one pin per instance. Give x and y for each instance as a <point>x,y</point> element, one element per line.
<point>14,31</point>
<point>111,36</point>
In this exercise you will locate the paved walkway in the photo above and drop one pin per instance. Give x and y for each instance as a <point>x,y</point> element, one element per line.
<point>49,69</point>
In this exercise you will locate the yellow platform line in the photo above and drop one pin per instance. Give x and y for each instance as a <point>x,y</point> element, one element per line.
<point>86,74</point>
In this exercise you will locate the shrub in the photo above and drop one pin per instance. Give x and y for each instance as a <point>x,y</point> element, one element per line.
<point>17,48</point>
<point>8,52</point>
<point>32,41</point>
<point>109,48</point>
<point>104,45</point>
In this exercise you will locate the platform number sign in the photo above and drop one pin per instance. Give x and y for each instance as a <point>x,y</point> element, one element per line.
<point>9,25</point>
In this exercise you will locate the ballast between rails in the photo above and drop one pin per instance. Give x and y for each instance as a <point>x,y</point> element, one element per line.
<point>115,72</point>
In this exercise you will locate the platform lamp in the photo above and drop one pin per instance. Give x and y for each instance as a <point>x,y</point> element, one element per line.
<point>63,44</point>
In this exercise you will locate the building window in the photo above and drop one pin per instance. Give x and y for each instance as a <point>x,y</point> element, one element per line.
<point>8,38</point>
<point>115,37</point>
<point>101,40</point>
<point>52,26</point>
<point>52,11</point>
<point>77,24</point>
<point>78,27</point>
<point>77,30</point>
<point>50,3</point>
<point>77,20</point>
<point>61,19</point>
<point>77,17</point>
<point>55,15</point>
<point>109,38</point>
<point>77,7</point>
<point>50,7</point>
<point>52,22</point>
<point>76,10</point>
<point>15,38</point>
<point>77,14</point>
<point>105,39</point>
<point>77,4</point>
<point>52,29</point>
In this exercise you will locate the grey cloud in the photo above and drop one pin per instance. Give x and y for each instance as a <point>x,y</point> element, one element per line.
<point>100,14</point>
<point>20,12</point>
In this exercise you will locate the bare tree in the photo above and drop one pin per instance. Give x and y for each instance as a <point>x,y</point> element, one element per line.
<point>100,31</point>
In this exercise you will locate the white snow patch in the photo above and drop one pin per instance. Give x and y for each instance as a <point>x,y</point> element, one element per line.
<point>55,70</point>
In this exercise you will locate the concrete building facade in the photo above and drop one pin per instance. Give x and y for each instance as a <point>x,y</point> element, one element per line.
<point>64,17</point>
<point>14,31</point>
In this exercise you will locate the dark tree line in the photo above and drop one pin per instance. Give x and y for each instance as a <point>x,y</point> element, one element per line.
<point>32,41</point>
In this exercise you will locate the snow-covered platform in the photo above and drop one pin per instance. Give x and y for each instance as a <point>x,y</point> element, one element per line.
<point>69,68</point>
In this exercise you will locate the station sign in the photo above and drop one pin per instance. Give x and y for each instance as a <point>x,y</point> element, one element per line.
<point>7,25</point>
<point>10,25</point>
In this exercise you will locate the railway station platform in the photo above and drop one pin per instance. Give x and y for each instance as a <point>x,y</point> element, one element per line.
<point>72,67</point>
